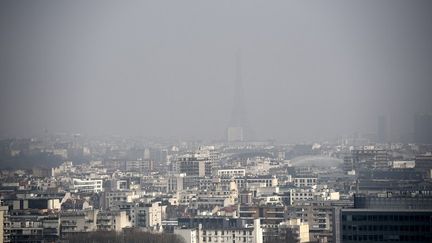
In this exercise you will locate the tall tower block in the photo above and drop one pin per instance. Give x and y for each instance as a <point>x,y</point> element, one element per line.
<point>382,129</point>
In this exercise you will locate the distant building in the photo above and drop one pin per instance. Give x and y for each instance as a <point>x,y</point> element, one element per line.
<point>180,182</point>
<point>87,185</point>
<point>231,172</point>
<point>41,172</point>
<point>308,194</point>
<point>366,158</point>
<point>142,166</point>
<point>235,134</point>
<point>246,182</point>
<point>195,165</point>
<point>423,129</point>
<point>305,181</point>
<point>382,130</point>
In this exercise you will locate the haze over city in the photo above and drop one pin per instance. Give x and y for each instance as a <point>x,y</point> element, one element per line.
<point>226,121</point>
<point>167,69</point>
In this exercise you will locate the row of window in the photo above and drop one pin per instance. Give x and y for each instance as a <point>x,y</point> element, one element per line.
<point>227,232</point>
<point>368,238</point>
<point>305,180</point>
<point>380,218</point>
<point>411,228</point>
<point>209,239</point>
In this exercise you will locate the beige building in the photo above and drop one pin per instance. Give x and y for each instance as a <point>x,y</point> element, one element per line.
<point>318,215</point>
<point>112,221</point>
<point>3,213</point>
<point>251,234</point>
<point>295,230</point>
<point>148,216</point>
<point>78,221</point>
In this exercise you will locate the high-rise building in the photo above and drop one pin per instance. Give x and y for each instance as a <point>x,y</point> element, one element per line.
<point>390,219</point>
<point>391,225</point>
<point>423,129</point>
<point>382,130</point>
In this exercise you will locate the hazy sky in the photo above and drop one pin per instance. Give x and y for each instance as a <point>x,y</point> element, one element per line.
<point>311,69</point>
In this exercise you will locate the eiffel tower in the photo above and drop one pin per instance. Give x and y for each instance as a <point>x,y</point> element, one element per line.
<point>236,128</point>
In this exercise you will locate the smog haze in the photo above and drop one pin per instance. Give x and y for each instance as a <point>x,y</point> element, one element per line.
<point>168,68</point>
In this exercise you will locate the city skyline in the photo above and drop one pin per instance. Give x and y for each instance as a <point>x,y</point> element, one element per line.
<point>310,71</point>
<point>215,121</point>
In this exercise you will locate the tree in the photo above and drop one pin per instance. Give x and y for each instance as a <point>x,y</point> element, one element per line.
<point>130,236</point>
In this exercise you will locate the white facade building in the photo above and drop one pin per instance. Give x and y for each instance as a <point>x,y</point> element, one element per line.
<point>231,172</point>
<point>252,234</point>
<point>87,185</point>
<point>305,181</point>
